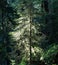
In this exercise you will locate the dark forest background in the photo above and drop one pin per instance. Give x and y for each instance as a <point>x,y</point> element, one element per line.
<point>28,32</point>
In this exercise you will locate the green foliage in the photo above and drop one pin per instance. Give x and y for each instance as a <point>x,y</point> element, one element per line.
<point>23,22</point>
<point>23,62</point>
<point>50,53</point>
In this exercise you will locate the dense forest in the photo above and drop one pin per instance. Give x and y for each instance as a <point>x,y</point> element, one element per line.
<point>28,32</point>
